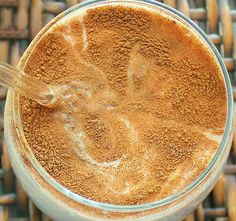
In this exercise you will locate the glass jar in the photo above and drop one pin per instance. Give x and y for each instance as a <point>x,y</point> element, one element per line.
<point>60,203</point>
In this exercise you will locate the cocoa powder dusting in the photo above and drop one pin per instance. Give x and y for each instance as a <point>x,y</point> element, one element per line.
<point>144,105</point>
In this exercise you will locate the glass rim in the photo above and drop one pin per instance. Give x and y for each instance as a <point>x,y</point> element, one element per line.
<point>155,204</point>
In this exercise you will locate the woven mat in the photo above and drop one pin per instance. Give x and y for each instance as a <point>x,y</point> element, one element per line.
<point>20,21</point>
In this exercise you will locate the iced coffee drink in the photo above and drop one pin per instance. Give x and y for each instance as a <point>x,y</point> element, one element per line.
<point>144,104</point>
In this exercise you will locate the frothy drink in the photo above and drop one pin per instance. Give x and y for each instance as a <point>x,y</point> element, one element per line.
<point>144,105</point>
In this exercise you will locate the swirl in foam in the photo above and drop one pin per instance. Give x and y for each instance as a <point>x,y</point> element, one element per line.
<point>144,104</point>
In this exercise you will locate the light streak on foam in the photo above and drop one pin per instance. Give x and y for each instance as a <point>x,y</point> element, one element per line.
<point>72,128</point>
<point>133,134</point>
<point>217,138</point>
<point>85,42</point>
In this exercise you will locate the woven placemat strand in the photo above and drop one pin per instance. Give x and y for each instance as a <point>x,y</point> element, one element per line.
<point>20,21</point>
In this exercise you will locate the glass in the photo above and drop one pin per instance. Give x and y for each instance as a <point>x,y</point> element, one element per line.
<point>62,204</point>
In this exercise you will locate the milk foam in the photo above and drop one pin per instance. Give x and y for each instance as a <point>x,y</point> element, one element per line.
<point>79,138</point>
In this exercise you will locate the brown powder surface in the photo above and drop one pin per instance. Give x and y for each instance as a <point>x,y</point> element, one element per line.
<point>144,105</point>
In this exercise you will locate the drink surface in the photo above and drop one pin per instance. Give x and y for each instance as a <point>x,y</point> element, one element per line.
<point>144,105</point>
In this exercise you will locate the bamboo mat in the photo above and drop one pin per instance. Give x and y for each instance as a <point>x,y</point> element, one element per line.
<point>20,21</point>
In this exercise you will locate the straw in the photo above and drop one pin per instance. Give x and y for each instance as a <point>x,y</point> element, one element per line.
<point>28,86</point>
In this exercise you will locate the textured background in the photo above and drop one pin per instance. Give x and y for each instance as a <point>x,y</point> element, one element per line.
<point>20,20</point>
